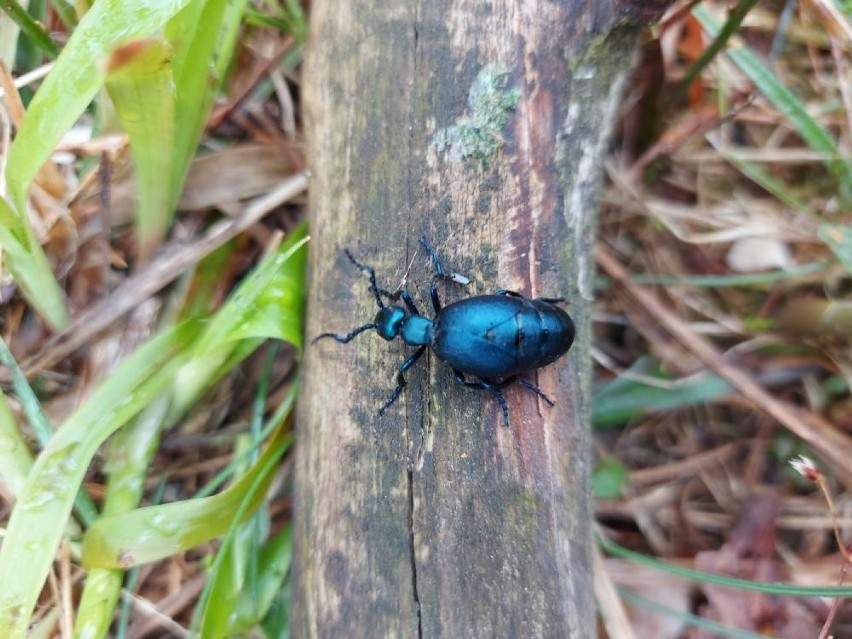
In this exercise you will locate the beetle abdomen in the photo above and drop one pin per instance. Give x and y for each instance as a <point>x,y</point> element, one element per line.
<point>497,336</point>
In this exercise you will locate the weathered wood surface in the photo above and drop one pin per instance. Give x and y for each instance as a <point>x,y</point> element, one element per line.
<point>482,125</point>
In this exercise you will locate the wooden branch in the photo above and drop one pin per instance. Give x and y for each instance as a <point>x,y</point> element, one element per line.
<point>482,126</point>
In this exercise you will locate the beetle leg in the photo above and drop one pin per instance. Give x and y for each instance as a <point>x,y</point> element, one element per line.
<point>440,276</point>
<point>503,291</point>
<point>406,297</point>
<point>400,378</point>
<point>433,290</point>
<point>482,384</point>
<point>534,389</point>
<point>431,253</point>
<point>343,339</point>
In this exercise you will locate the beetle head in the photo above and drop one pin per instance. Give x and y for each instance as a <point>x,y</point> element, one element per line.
<point>389,321</point>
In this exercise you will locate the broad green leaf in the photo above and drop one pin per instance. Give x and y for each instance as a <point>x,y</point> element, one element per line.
<point>39,518</point>
<point>149,534</point>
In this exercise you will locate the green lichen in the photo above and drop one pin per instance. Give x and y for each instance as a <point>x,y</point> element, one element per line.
<point>477,133</point>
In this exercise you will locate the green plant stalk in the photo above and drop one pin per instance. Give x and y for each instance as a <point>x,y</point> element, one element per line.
<point>274,560</point>
<point>788,590</point>
<point>261,475</point>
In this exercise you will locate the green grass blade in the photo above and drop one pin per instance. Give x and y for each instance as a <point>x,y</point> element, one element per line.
<point>39,518</point>
<point>728,30</point>
<point>203,39</point>
<point>786,590</point>
<point>25,258</point>
<point>30,28</point>
<point>97,605</point>
<point>234,601</point>
<point>132,446</point>
<point>15,458</point>
<point>77,76</point>
<point>149,534</point>
<point>787,103</point>
<point>839,240</point>
<point>38,422</point>
<point>760,176</point>
<point>617,402</point>
<point>268,304</point>
<point>235,605</point>
<point>128,454</point>
<point>141,87</point>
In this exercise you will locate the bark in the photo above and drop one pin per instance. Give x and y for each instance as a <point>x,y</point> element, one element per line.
<point>482,126</point>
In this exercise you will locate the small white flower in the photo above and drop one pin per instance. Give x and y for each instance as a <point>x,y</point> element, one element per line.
<point>806,467</point>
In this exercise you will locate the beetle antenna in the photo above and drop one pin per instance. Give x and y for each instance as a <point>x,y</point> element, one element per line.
<point>377,292</point>
<point>343,339</point>
<point>435,260</point>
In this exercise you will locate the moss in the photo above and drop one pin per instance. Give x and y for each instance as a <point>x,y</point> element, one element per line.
<point>476,135</point>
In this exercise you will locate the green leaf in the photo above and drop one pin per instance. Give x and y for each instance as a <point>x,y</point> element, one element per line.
<point>24,257</point>
<point>39,518</point>
<point>268,304</point>
<point>141,87</point>
<point>203,38</point>
<point>609,479</point>
<point>622,399</point>
<point>77,76</point>
<point>15,458</point>
<point>149,534</point>
<point>67,90</point>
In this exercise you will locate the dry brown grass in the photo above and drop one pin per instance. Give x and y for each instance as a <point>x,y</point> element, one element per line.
<point>713,276</point>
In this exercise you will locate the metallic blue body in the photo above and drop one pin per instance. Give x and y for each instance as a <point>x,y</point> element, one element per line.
<point>498,336</point>
<point>493,338</point>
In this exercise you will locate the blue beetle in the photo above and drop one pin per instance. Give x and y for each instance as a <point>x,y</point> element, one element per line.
<point>492,338</point>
